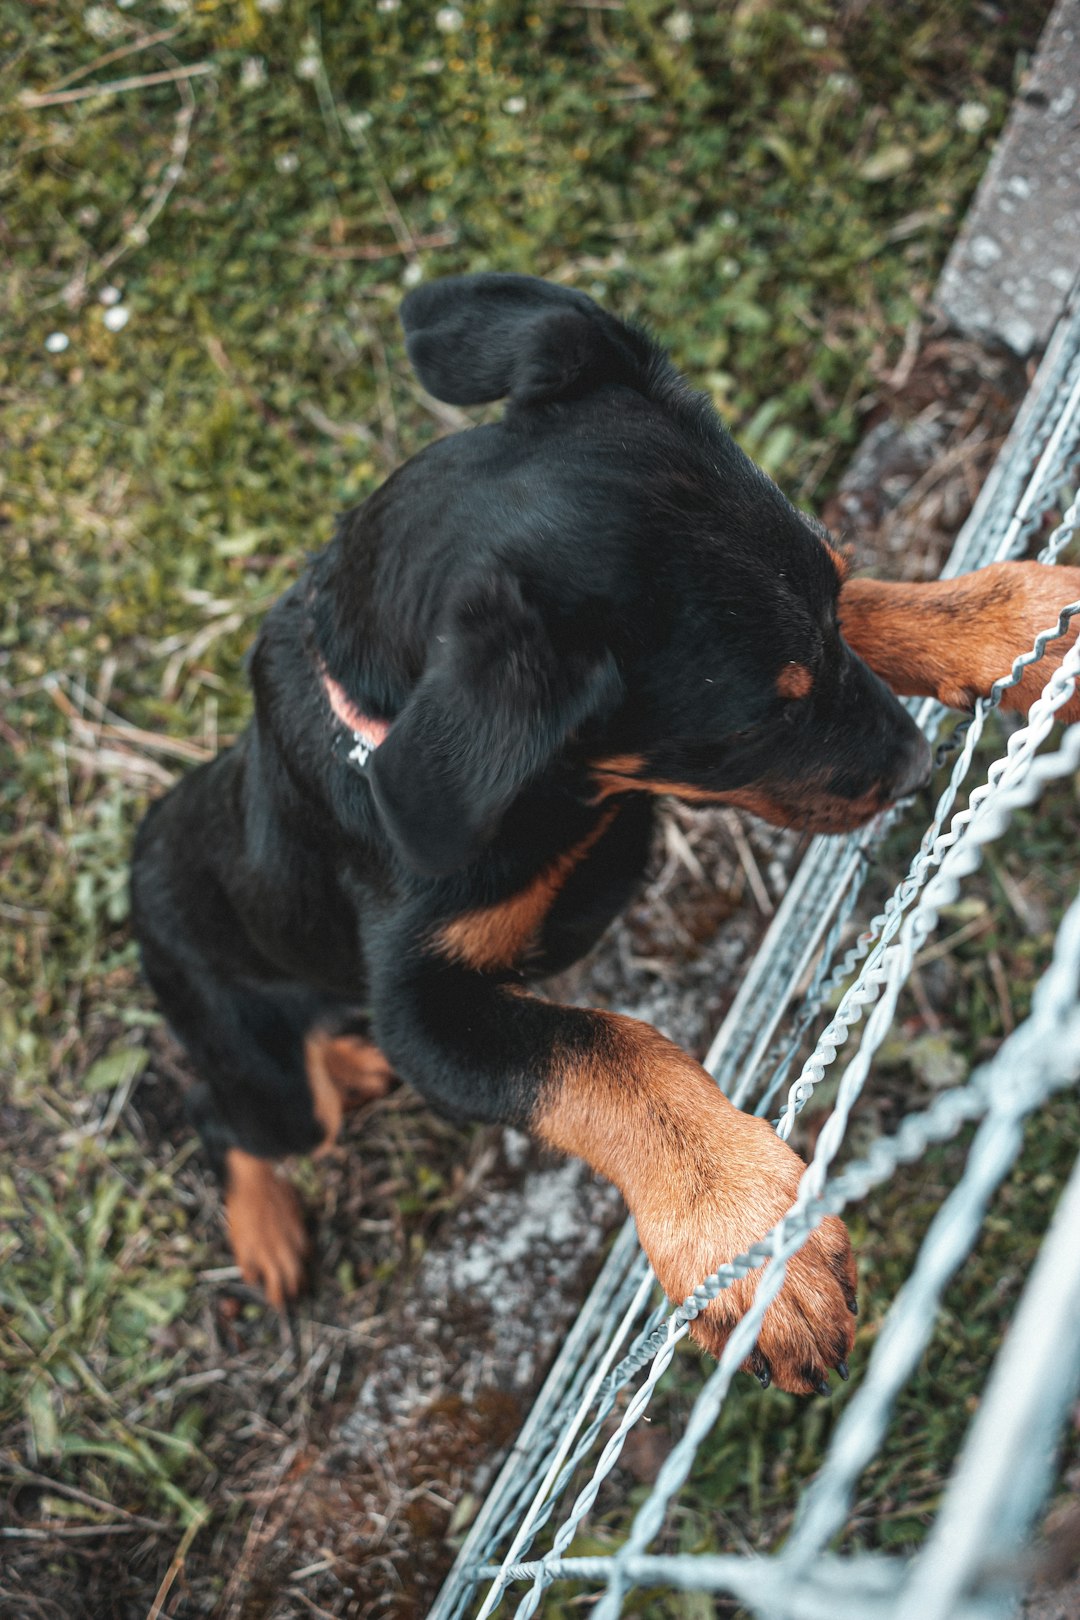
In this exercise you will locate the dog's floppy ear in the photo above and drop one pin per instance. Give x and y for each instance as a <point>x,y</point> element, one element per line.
<point>502,691</point>
<point>477,338</point>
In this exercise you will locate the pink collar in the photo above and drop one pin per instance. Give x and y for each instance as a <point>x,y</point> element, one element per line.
<point>367,733</point>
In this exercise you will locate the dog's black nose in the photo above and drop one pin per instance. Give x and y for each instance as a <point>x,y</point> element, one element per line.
<point>916,769</point>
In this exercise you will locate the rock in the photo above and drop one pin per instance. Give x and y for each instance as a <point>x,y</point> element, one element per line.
<point>1010,270</point>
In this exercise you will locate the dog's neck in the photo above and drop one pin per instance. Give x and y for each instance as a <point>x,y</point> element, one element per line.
<point>367,733</point>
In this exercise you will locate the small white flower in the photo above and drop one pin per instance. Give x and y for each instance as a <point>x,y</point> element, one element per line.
<point>89,216</point>
<point>816,37</point>
<point>434,64</point>
<point>308,67</point>
<point>388,5</point>
<point>515,104</point>
<point>448,19</point>
<point>99,21</point>
<point>252,73</point>
<point>117,317</point>
<point>357,122</point>
<point>680,25</point>
<point>109,296</point>
<point>268,7</point>
<point>413,274</point>
<point>728,218</point>
<point>840,83</point>
<point>971,116</point>
<point>730,268</point>
<point>286,163</point>
<point>57,342</point>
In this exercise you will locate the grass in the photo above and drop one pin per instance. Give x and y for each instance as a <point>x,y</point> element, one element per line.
<point>772,187</point>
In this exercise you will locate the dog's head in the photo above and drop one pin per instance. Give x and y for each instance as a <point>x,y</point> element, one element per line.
<point>636,606</point>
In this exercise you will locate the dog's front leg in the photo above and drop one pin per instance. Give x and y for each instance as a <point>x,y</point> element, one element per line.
<point>702,1179</point>
<point>952,638</point>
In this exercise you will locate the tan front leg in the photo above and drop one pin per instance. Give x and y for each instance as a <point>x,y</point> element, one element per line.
<point>703,1181</point>
<point>952,638</point>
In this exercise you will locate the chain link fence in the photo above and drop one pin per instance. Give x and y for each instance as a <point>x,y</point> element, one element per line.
<point>970,1566</point>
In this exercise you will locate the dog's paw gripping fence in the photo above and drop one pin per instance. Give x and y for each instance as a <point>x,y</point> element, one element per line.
<point>970,1567</point>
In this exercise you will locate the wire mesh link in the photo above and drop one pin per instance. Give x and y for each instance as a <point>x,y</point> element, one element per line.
<point>804,1583</point>
<point>1044,1052</point>
<point>1000,1477</point>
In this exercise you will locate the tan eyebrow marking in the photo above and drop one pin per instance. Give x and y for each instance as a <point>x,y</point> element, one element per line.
<point>794,681</point>
<point>840,561</point>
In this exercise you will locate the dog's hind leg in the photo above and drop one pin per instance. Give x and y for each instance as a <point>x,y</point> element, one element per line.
<point>279,1066</point>
<point>321,1080</point>
<point>265,1223</point>
<point>267,1234</point>
<point>345,1071</point>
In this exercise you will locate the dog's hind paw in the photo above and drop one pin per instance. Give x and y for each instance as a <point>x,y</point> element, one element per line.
<point>266,1227</point>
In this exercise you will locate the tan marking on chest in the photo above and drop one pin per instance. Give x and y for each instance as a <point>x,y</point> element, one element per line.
<point>501,935</point>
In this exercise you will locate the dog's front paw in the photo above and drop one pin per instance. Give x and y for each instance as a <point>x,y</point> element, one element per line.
<point>1015,603</point>
<point>720,1212</point>
<point>266,1227</point>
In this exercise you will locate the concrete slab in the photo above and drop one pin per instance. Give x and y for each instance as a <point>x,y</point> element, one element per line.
<point>1011,268</point>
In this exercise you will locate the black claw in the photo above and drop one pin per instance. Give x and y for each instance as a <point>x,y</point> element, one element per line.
<point>816,1379</point>
<point>842,1369</point>
<point>759,1366</point>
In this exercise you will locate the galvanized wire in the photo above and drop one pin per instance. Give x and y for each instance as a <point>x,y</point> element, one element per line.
<point>1039,1058</point>
<point>584,1387</point>
<point>935,845</point>
<point>872,941</point>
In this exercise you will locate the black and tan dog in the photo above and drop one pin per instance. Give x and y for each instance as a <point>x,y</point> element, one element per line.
<point>464,712</point>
